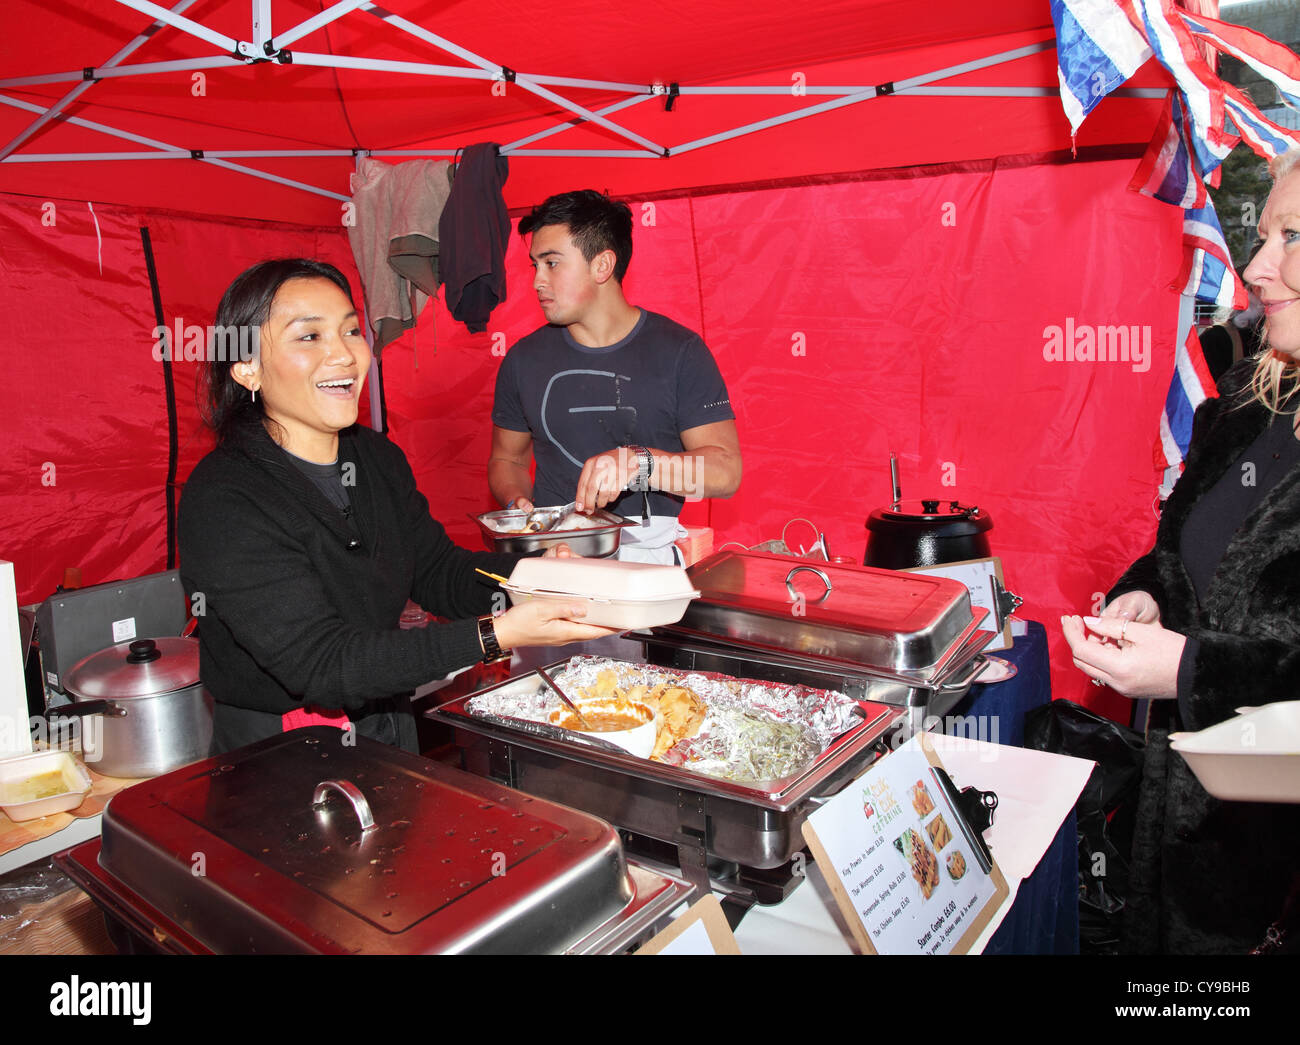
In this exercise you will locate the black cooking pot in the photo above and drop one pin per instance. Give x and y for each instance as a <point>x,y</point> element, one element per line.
<point>926,533</point>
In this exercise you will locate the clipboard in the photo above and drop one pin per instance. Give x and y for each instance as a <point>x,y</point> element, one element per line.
<point>827,866</point>
<point>706,915</point>
<point>979,576</point>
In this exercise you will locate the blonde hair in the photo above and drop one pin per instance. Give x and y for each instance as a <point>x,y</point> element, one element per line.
<point>1276,380</point>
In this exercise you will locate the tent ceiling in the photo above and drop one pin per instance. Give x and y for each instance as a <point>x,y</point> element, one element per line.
<point>770,43</point>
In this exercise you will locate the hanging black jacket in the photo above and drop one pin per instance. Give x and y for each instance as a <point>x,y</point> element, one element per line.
<point>473,234</point>
<point>300,600</point>
<point>1210,876</point>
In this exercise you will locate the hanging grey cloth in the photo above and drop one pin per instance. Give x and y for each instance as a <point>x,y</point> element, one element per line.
<point>474,233</point>
<point>395,239</point>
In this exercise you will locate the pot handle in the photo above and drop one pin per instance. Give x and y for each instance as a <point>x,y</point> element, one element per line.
<point>789,585</point>
<point>86,707</point>
<point>352,793</point>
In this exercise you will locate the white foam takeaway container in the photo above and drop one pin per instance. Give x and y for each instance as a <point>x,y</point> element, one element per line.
<point>1253,757</point>
<point>621,595</point>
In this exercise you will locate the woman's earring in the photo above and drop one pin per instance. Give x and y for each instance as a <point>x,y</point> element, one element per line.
<point>253,392</point>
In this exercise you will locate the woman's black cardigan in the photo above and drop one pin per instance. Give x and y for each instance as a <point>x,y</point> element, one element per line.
<point>298,601</point>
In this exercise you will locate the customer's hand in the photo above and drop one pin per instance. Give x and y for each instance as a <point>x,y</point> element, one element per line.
<point>1134,659</point>
<point>546,622</point>
<point>1134,605</point>
<point>559,551</point>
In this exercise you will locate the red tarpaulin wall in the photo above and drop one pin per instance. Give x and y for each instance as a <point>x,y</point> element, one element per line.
<point>904,311</point>
<point>85,471</point>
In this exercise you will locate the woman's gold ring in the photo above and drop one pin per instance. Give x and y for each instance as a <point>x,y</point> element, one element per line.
<point>1096,682</point>
<point>1123,628</point>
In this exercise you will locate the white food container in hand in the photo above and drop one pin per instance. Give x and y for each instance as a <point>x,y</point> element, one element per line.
<point>1254,757</point>
<point>18,798</point>
<point>621,595</point>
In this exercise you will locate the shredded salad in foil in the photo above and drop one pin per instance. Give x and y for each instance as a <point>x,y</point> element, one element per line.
<point>744,730</point>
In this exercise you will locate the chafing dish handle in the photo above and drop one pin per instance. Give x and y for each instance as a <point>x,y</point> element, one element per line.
<point>789,582</point>
<point>972,672</point>
<point>352,793</point>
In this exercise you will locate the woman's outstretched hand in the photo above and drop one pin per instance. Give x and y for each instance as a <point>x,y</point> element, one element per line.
<point>546,622</point>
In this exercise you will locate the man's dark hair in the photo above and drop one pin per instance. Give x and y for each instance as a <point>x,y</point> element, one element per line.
<point>245,307</point>
<point>595,222</point>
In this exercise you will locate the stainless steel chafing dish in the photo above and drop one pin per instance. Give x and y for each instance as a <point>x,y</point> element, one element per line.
<point>310,844</point>
<point>909,640</point>
<point>707,819</point>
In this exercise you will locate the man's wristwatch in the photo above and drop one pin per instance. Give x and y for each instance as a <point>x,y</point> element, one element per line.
<point>487,637</point>
<point>645,465</point>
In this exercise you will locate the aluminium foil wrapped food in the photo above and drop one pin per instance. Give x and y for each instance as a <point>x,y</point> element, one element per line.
<point>745,730</point>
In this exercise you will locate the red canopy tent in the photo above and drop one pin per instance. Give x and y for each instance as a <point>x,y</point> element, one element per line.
<point>876,258</point>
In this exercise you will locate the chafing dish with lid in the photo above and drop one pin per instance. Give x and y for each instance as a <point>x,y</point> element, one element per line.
<point>905,639</point>
<point>312,844</point>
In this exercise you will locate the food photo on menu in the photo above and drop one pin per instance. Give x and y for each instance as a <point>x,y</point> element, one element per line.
<point>469,539</point>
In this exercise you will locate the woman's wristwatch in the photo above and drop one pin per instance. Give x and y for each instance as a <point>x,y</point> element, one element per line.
<point>487,638</point>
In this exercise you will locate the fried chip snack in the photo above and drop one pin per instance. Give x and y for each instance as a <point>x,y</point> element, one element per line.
<point>680,712</point>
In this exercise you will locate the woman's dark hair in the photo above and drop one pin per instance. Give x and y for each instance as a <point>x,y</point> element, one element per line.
<point>243,311</point>
<point>596,223</point>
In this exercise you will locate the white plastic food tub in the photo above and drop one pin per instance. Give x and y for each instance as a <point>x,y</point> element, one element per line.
<point>1254,757</point>
<point>25,779</point>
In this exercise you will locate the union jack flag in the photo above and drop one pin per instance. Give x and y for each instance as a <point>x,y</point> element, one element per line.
<point>1099,45</point>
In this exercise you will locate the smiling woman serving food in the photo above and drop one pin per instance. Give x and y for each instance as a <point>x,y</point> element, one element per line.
<point>302,535</point>
<point>1209,621</point>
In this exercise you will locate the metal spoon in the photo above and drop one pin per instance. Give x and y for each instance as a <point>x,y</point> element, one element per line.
<point>561,694</point>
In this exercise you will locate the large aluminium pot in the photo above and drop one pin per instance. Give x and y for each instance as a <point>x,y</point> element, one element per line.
<point>926,533</point>
<point>143,709</point>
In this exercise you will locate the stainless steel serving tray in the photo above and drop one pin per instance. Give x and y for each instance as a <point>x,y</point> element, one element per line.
<point>755,824</point>
<point>598,542</point>
<point>906,625</point>
<point>452,864</point>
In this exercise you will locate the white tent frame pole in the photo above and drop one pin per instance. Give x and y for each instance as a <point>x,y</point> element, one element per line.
<point>169,151</point>
<point>330,14</point>
<point>519,143</point>
<point>899,86</point>
<point>185,25</point>
<point>218,154</point>
<point>522,81</point>
<point>774,121</point>
<point>86,85</point>
<point>141,69</point>
<point>262,31</point>
<point>384,65</point>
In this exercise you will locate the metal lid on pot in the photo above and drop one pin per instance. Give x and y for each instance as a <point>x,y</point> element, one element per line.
<point>143,668</point>
<point>941,518</point>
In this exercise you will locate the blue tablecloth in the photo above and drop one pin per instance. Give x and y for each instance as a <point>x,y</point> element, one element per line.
<point>1045,916</point>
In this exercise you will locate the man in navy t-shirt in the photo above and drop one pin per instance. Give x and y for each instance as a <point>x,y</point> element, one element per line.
<point>610,399</point>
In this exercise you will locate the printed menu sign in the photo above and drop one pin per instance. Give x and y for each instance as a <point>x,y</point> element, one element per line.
<point>900,860</point>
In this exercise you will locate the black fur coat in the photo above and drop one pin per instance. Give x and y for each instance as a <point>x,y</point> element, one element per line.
<point>1210,876</point>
